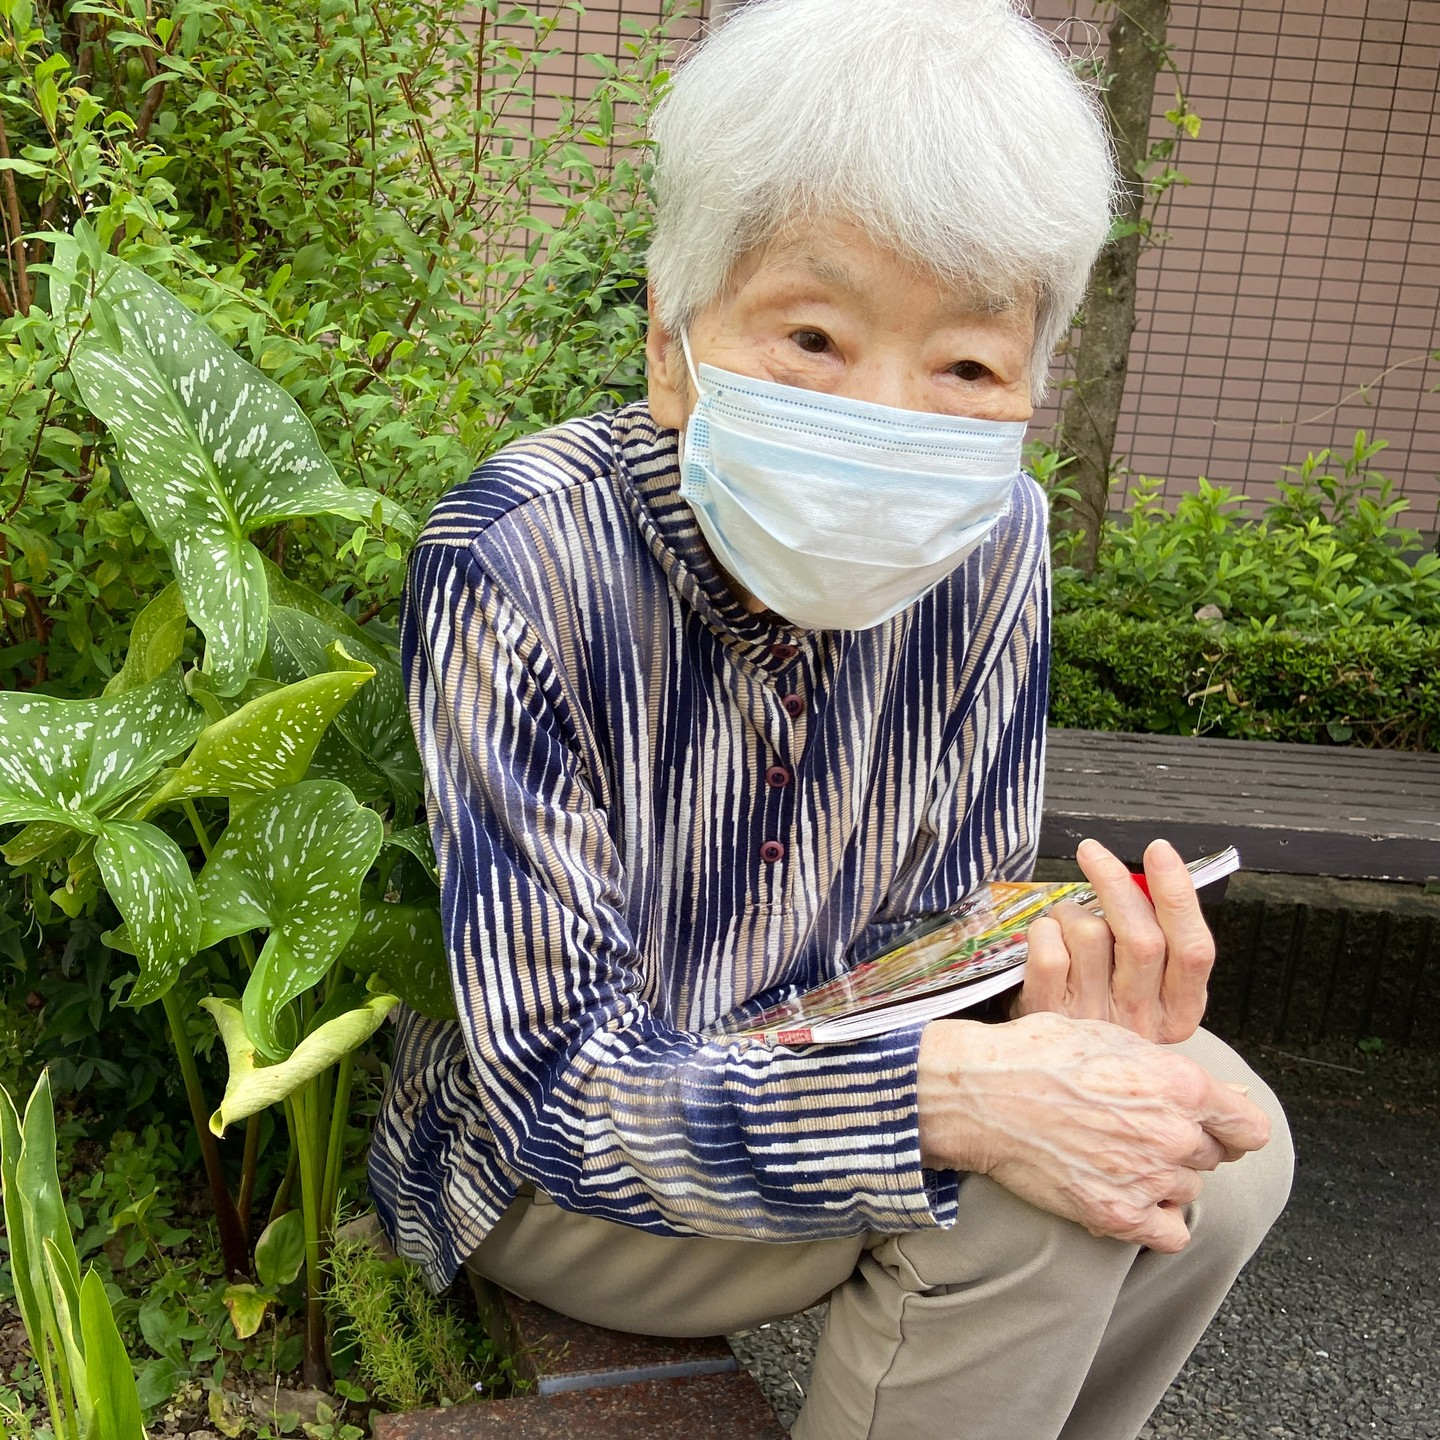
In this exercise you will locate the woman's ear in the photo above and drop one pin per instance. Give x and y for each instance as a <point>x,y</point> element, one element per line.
<point>671,395</point>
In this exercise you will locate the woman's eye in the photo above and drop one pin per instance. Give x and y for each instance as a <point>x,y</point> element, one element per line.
<point>813,342</point>
<point>970,370</point>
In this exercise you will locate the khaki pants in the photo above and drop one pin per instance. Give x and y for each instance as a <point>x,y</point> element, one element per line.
<point>1011,1325</point>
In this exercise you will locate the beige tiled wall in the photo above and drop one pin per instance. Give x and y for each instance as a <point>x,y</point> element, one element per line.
<point>1304,256</point>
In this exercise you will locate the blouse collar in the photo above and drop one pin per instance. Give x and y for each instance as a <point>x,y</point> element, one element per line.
<point>648,465</point>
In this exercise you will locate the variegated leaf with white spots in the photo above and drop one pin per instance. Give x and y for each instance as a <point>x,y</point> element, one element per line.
<point>291,861</point>
<point>39,840</point>
<point>404,945</point>
<point>267,742</point>
<point>212,450</point>
<point>415,840</point>
<point>72,761</point>
<point>376,726</point>
<point>150,882</point>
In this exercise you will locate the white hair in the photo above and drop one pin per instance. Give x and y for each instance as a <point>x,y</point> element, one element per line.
<point>951,131</point>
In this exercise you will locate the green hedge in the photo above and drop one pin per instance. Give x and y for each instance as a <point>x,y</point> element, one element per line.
<point>1370,685</point>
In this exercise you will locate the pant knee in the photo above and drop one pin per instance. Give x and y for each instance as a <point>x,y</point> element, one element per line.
<point>999,1240</point>
<point>1243,1198</point>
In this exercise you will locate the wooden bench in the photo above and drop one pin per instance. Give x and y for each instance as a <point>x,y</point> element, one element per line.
<point>1290,809</point>
<point>1316,937</point>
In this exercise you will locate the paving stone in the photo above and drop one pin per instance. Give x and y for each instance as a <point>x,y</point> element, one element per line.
<point>697,1407</point>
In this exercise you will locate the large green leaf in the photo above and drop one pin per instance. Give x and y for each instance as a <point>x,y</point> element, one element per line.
<point>65,1297</point>
<point>376,728</point>
<point>113,1395</point>
<point>291,862</point>
<point>72,761</point>
<point>12,1141</point>
<point>405,946</point>
<point>251,1087</point>
<point>150,882</point>
<point>157,639</point>
<point>75,763</point>
<point>48,1247</point>
<point>212,450</point>
<point>269,741</point>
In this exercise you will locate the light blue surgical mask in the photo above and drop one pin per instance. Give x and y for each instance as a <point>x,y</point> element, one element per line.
<point>838,513</point>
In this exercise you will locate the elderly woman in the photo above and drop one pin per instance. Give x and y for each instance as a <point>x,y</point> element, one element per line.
<point>717,692</point>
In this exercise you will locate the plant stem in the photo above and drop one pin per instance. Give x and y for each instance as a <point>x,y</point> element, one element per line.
<point>281,1203</point>
<point>70,1412</point>
<point>227,1218</point>
<point>251,1158</point>
<point>58,1416</point>
<point>248,1165</point>
<point>334,1152</point>
<point>303,1137</point>
<point>198,826</point>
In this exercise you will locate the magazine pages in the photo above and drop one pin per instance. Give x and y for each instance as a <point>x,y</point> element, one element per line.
<point>945,964</point>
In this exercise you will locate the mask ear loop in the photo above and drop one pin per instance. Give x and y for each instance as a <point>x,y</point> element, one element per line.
<point>689,360</point>
<point>695,381</point>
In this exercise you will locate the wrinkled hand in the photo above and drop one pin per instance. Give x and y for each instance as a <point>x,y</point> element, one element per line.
<point>1085,1120</point>
<point>1142,965</point>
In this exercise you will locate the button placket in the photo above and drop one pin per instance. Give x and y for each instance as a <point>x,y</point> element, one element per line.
<point>785,682</point>
<point>779,802</point>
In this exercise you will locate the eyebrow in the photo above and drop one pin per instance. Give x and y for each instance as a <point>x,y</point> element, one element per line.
<point>829,273</point>
<point>994,304</point>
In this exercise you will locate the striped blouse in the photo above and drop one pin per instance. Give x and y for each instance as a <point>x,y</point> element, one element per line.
<point>650,807</point>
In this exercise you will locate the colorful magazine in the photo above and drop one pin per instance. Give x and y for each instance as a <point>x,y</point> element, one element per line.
<point>940,966</point>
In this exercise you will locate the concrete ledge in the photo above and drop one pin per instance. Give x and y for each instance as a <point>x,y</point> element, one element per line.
<point>704,1407</point>
<point>555,1354</point>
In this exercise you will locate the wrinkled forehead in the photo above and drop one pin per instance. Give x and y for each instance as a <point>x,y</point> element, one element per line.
<point>849,261</point>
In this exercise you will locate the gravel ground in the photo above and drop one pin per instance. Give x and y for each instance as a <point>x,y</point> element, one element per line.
<point>1334,1328</point>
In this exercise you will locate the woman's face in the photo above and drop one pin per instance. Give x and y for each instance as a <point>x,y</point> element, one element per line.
<point>826,309</point>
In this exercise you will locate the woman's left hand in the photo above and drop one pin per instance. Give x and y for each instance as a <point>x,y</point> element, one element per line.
<point>1141,965</point>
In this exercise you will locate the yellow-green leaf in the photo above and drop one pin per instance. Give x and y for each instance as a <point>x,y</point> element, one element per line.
<point>247,1308</point>
<point>251,1087</point>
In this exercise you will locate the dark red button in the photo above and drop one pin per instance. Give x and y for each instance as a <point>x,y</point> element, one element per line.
<point>784,652</point>
<point>777,777</point>
<point>772,851</point>
<point>793,704</point>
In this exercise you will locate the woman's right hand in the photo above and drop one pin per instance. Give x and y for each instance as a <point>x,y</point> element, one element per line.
<point>1081,1118</point>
